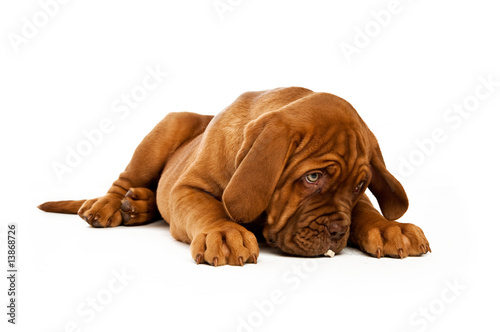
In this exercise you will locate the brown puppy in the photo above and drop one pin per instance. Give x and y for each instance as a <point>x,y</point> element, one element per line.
<point>290,160</point>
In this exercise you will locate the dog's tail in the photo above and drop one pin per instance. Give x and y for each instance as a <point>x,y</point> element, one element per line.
<point>70,207</point>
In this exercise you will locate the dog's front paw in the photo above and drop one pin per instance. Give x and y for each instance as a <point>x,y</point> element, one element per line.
<point>102,212</point>
<point>228,243</point>
<point>394,239</point>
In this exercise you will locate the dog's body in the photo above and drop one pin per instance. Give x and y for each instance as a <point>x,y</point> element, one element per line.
<point>295,161</point>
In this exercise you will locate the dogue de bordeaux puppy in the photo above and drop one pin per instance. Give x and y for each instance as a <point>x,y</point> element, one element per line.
<point>287,164</point>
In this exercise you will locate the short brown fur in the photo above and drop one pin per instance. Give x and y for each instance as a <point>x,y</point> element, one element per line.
<point>292,159</point>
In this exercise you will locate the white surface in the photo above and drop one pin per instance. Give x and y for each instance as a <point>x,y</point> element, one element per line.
<point>67,78</point>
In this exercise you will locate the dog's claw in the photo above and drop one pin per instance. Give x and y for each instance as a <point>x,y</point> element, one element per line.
<point>216,261</point>
<point>379,253</point>
<point>132,195</point>
<point>126,206</point>
<point>254,256</point>
<point>198,259</point>
<point>400,252</point>
<point>429,248</point>
<point>96,224</point>
<point>240,260</point>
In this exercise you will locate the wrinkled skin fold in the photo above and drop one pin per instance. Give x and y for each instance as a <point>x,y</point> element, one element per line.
<point>296,160</point>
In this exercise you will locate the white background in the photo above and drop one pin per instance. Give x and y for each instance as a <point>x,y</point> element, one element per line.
<point>65,78</point>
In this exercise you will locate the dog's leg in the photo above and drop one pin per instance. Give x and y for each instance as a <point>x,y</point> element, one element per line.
<point>143,172</point>
<point>199,218</point>
<point>377,236</point>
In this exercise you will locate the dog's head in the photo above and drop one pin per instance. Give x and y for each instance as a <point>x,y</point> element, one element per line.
<point>305,165</point>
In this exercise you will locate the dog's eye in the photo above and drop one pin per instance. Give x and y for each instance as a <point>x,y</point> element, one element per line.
<point>359,187</point>
<point>313,177</point>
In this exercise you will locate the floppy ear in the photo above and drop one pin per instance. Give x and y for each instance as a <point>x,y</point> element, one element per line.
<point>260,161</point>
<point>389,192</point>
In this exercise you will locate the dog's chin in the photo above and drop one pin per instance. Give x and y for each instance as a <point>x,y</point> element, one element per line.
<point>297,246</point>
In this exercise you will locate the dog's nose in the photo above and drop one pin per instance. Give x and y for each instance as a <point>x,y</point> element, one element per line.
<point>336,230</point>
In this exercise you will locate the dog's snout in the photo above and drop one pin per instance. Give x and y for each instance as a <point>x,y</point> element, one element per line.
<point>336,230</point>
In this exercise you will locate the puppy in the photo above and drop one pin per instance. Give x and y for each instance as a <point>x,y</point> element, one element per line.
<point>290,164</point>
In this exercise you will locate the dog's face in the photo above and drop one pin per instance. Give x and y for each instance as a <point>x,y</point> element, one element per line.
<point>305,166</point>
<point>310,210</point>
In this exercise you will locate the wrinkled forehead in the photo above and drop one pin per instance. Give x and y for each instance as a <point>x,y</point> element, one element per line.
<point>327,129</point>
<point>346,147</point>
